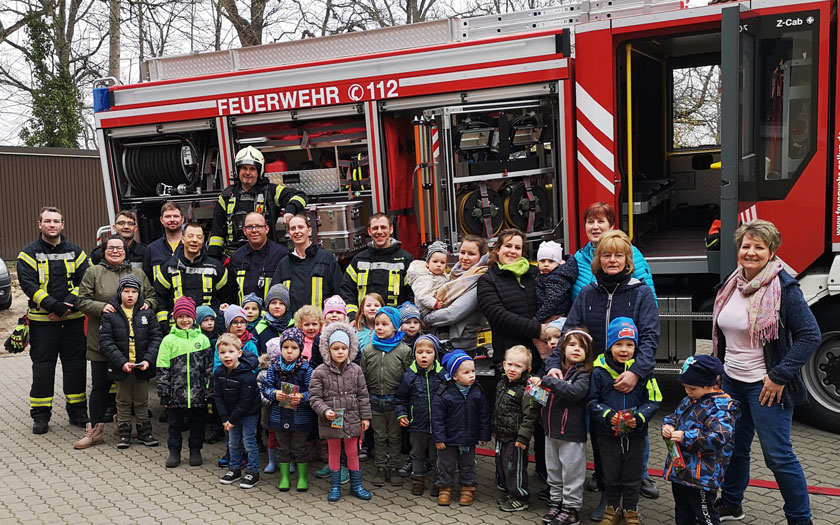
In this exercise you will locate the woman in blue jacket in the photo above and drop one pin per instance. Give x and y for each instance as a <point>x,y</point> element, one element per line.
<point>598,219</point>
<point>764,332</point>
<point>616,293</point>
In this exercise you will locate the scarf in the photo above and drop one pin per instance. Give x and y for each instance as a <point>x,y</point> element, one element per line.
<point>386,345</point>
<point>244,338</point>
<point>460,282</point>
<point>278,324</point>
<point>611,282</point>
<point>764,298</point>
<point>290,367</point>
<point>518,269</point>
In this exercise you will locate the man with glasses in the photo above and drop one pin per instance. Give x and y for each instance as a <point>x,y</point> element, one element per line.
<point>252,265</point>
<point>192,273</point>
<point>50,270</point>
<point>126,227</point>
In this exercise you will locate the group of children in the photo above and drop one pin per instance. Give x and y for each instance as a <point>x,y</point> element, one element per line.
<point>290,375</point>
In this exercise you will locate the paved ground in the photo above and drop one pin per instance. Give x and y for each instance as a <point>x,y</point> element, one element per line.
<point>47,481</point>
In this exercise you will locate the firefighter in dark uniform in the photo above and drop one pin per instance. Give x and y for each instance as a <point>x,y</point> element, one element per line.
<point>252,192</point>
<point>50,270</point>
<point>379,268</point>
<point>126,227</point>
<point>162,249</point>
<point>309,272</point>
<point>252,266</point>
<point>192,273</point>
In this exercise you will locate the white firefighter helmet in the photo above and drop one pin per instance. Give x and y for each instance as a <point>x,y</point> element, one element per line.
<point>250,156</point>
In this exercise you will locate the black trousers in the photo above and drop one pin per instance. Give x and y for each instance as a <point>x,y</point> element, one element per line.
<point>292,445</point>
<point>191,418</point>
<point>694,506</point>
<point>451,459</point>
<point>50,341</point>
<point>100,397</point>
<point>622,458</point>
<point>512,468</point>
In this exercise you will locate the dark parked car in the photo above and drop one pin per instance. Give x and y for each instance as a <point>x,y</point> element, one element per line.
<point>5,287</point>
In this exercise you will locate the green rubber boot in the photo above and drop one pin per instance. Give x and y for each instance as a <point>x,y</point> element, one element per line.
<point>284,477</point>
<point>303,483</point>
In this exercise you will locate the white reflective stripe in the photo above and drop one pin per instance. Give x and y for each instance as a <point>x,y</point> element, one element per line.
<point>55,256</point>
<point>601,153</point>
<point>482,73</point>
<point>193,270</point>
<point>391,267</point>
<point>595,112</point>
<point>605,182</point>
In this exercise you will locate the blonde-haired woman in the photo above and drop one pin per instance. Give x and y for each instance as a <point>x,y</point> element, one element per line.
<point>764,332</point>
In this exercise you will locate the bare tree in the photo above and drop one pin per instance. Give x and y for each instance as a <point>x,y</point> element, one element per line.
<point>696,106</point>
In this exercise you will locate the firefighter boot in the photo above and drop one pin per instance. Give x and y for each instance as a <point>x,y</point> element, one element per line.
<point>467,495</point>
<point>125,435</point>
<point>93,436</point>
<point>144,434</point>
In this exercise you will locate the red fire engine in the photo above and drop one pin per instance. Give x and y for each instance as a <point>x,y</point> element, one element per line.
<point>676,116</point>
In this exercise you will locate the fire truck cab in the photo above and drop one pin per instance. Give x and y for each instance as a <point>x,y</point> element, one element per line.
<point>675,116</point>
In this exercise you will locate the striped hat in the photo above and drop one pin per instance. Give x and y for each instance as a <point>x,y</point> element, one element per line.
<point>184,306</point>
<point>128,281</point>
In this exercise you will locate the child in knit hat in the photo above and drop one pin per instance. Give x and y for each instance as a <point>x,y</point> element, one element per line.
<point>276,318</point>
<point>335,310</point>
<point>129,338</point>
<point>184,367</point>
<point>554,282</point>
<point>410,322</point>
<point>206,320</point>
<point>620,421</point>
<point>339,396</point>
<point>460,421</point>
<point>699,433</point>
<point>236,322</point>
<point>425,277</point>
<point>252,305</point>
<point>384,361</point>
<point>414,401</point>
<point>287,387</point>
<point>272,353</point>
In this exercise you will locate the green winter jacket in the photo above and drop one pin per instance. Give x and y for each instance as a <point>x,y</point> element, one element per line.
<point>185,366</point>
<point>384,370</point>
<point>514,413</point>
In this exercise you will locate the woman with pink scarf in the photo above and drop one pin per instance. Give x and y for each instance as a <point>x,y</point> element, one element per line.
<point>764,332</point>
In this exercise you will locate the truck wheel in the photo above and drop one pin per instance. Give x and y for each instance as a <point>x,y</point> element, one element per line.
<point>822,381</point>
<point>7,304</point>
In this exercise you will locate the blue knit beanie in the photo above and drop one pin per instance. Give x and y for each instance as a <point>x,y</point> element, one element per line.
<point>203,312</point>
<point>700,370</point>
<point>252,298</point>
<point>292,334</point>
<point>432,339</point>
<point>392,313</point>
<point>453,360</point>
<point>408,311</point>
<point>622,328</point>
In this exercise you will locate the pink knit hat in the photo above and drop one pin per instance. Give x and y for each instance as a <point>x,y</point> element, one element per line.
<point>335,304</point>
<point>184,305</point>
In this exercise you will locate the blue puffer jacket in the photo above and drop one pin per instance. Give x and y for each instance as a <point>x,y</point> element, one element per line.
<point>236,393</point>
<point>299,419</point>
<point>707,424</point>
<point>596,307</point>
<point>414,396</point>
<point>249,354</point>
<point>585,276</point>
<point>799,336</point>
<point>460,421</point>
<point>605,401</point>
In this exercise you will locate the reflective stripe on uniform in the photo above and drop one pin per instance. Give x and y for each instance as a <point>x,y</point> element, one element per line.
<point>317,291</point>
<point>207,288</point>
<point>162,316</point>
<point>74,399</point>
<point>654,394</point>
<point>158,275</point>
<point>299,200</point>
<point>113,389</point>
<point>361,284</point>
<point>39,296</point>
<point>229,209</point>
<point>25,257</point>
<point>240,284</point>
<point>223,281</point>
<point>215,240</point>
<point>40,402</point>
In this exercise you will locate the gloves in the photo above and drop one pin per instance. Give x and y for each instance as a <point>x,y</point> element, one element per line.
<point>59,308</point>
<point>19,338</point>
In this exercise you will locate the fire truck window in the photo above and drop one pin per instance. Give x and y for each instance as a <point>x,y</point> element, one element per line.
<point>786,82</point>
<point>696,107</point>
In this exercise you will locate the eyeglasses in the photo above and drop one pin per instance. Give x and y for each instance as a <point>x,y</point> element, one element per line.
<point>125,223</point>
<point>239,321</point>
<point>254,227</point>
<point>114,249</point>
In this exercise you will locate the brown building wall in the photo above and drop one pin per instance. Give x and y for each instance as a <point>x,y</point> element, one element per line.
<point>31,178</point>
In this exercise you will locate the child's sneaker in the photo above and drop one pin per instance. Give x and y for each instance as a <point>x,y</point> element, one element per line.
<point>224,461</point>
<point>230,477</point>
<point>249,480</point>
<point>567,516</point>
<point>553,511</point>
<point>729,513</point>
<point>405,470</point>
<point>363,453</point>
<point>514,505</point>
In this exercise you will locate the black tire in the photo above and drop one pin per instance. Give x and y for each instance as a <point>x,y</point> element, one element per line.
<point>7,304</point>
<point>822,380</point>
